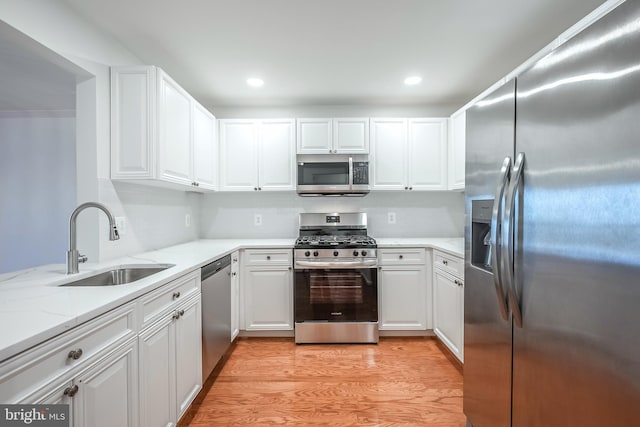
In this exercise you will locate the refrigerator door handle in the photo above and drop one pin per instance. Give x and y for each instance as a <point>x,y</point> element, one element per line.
<point>507,239</point>
<point>496,237</point>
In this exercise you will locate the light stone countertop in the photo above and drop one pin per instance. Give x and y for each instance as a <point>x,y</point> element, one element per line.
<point>34,308</point>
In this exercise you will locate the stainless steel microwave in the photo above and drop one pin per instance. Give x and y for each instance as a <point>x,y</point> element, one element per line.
<point>333,175</point>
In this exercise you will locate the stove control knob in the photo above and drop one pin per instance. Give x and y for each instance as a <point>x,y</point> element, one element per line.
<point>363,253</point>
<point>355,253</point>
<point>315,253</point>
<point>335,253</point>
<point>307,253</point>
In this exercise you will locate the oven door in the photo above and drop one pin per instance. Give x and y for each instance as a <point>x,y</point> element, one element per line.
<point>336,295</point>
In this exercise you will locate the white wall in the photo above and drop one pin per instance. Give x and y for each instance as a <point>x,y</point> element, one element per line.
<point>37,189</point>
<point>150,211</point>
<point>418,214</point>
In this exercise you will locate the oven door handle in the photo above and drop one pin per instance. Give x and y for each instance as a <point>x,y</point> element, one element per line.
<point>337,264</point>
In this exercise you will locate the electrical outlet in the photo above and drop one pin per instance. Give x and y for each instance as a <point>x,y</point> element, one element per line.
<point>391,217</point>
<point>121,225</point>
<point>187,220</point>
<point>257,220</point>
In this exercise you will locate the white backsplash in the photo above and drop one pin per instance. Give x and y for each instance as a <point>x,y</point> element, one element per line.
<point>155,217</point>
<point>418,214</point>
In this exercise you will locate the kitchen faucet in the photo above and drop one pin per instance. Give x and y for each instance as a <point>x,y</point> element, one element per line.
<point>73,256</point>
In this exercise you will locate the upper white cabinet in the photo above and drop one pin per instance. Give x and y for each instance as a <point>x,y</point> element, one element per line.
<point>257,155</point>
<point>408,154</point>
<point>333,136</point>
<point>159,133</point>
<point>457,138</point>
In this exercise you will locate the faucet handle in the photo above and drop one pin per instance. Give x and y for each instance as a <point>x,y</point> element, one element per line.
<point>83,258</point>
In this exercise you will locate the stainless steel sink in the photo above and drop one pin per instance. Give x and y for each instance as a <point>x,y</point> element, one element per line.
<point>120,276</point>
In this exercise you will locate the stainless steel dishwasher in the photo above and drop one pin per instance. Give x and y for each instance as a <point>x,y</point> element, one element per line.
<point>216,313</point>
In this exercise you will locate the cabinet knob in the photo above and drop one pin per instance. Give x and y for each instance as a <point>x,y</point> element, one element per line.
<point>410,188</point>
<point>181,313</point>
<point>176,315</point>
<point>290,268</point>
<point>75,354</point>
<point>444,261</point>
<point>401,256</point>
<point>176,295</point>
<point>234,274</point>
<point>268,257</point>
<point>255,188</point>
<point>406,188</point>
<point>71,391</point>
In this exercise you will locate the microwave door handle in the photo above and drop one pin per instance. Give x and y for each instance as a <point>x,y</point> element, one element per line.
<point>350,173</point>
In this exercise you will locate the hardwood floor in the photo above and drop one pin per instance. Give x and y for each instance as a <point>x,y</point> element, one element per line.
<point>400,381</point>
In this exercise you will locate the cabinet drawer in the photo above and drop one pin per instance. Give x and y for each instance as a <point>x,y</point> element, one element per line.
<point>34,369</point>
<point>406,256</point>
<point>267,257</point>
<point>450,263</point>
<point>167,297</point>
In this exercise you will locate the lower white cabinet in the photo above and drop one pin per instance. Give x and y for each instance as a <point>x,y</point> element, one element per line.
<point>404,297</point>
<point>235,295</point>
<point>448,301</point>
<point>107,393</point>
<point>267,288</point>
<point>171,364</point>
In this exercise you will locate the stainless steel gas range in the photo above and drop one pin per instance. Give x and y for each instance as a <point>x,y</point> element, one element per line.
<point>336,281</point>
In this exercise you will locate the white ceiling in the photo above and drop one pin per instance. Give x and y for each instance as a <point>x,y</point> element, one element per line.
<point>334,52</point>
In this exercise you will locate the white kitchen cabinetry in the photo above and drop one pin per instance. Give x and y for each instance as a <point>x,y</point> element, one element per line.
<point>257,155</point>
<point>408,154</point>
<point>404,300</point>
<point>448,301</point>
<point>170,352</point>
<point>160,134</point>
<point>93,368</point>
<point>457,139</point>
<point>267,289</point>
<point>235,294</point>
<point>333,136</point>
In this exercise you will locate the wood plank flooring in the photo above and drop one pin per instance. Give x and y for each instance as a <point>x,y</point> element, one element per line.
<point>400,381</point>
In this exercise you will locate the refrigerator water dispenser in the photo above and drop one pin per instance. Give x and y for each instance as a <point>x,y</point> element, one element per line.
<point>481,233</point>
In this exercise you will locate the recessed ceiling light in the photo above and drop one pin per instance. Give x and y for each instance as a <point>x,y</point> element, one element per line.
<point>412,80</point>
<point>255,82</point>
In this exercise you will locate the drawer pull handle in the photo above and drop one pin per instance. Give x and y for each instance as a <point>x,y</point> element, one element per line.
<point>176,295</point>
<point>71,391</point>
<point>75,354</point>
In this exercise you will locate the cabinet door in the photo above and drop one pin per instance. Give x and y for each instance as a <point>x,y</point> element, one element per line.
<point>239,156</point>
<point>157,374</point>
<point>457,138</point>
<point>314,136</point>
<point>108,392</point>
<point>188,330</point>
<point>235,295</point>
<point>351,135</point>
<point>205,148</point>
<point>174,126</point>
<point>268,298</point>
<point>403,298</point>
<point>276,147</point>
<point>388,154</point>
<point>448,294</point>
<point>133,98</point>
<point>427,154</point>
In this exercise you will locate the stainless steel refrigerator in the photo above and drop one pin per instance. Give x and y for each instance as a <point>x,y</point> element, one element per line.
<point>552,237</point>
